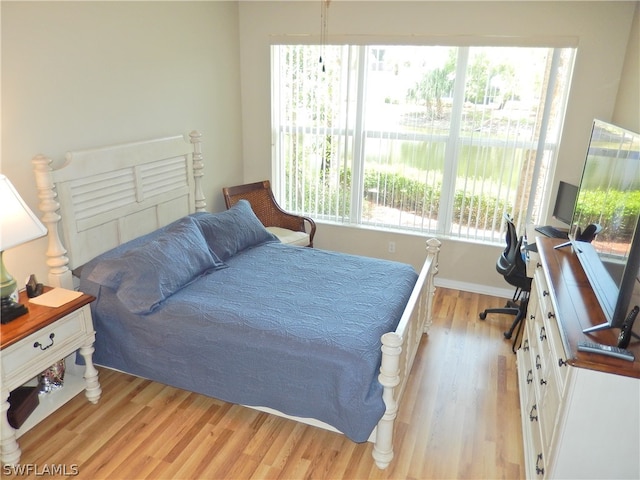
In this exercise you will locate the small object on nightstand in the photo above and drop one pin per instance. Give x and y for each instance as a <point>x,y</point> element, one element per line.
<point>56,297</point>
<point>33,287</point>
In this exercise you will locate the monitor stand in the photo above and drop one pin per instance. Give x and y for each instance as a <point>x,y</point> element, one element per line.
<point>596,328</point>
<point>569,243</point>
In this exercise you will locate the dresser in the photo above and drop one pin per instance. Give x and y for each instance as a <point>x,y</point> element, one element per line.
<point>32,343</point>
<point>580,411</point>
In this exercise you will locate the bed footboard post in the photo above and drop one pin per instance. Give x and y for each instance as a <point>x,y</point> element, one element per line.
<point>198,165</point>
<point>389,378</point>
<point>433,251</point>
<point>57,261</point>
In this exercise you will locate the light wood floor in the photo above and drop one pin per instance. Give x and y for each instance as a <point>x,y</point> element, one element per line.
<point>460,418</point>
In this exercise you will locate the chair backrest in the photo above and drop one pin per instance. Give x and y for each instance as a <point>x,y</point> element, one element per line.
<point>511,264</point>
<point>263,204</point>
<point>511,237</point>
<point>511,261</point>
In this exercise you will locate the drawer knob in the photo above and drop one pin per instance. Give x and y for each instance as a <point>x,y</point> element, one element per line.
<point>543,381</point>
<point>533,417</point>
<point>562,363</point>
<point>545,293</point>
<point>551,315</point>
<point>42,347</point>
<point>529,377</point>
<point>525,345</point>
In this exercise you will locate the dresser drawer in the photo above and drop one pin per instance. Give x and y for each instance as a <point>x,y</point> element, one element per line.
<point>558,356</point>
<point>549,406</point>
<point>47,345</point>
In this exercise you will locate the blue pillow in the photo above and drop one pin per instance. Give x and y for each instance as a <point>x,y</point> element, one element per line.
<point>233,230</point>
<point>146,275</point>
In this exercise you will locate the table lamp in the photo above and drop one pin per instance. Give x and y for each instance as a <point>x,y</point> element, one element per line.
<point>18,225</point>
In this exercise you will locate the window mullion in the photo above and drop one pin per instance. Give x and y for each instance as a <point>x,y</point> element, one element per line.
<point>544,128</point>
<point>357,173</point>
<point>277,137</point>
<point>447,197</point>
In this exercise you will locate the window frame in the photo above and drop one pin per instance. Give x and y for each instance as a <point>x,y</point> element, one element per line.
<point>445,220</point>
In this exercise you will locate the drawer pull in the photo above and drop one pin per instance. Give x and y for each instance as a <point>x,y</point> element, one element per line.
<point>538,264</point>
<point>562,363</point>
<point>539,471</point>
<point>525,345</point>
<point>551,315</point>
<point>545,293</point>
<point>543,334</point>
<point>533,417</point>
<point>38,344</point>
<point>529,377</point>
<point>538,364</point>
<point>543,381</point>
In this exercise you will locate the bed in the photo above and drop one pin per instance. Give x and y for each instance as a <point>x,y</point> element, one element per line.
<point>215,304</point>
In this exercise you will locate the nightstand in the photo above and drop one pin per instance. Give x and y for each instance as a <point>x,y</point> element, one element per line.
<point>32,343</point>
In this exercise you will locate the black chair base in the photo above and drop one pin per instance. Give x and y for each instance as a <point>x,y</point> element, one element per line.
<point>512,308</point>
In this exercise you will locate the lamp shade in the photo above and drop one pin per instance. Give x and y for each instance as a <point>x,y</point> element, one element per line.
<point>18,224</point>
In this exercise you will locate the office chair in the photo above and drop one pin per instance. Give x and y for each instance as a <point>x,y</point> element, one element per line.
<point>513,268</point>
<point>288,227</point>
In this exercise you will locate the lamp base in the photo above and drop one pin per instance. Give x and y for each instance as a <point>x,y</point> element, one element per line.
<point>11,310</point>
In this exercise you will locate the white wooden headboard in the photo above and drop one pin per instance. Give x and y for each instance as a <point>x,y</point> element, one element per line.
<point>103,197</point>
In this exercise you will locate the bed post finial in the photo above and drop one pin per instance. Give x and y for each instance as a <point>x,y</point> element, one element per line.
<point>57,261</point>
<point>198,166</point>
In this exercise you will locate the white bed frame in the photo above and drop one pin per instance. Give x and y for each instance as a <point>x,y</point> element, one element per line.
<point>103,197</point>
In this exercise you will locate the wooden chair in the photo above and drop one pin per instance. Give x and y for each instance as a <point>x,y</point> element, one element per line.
<point>288,227</point>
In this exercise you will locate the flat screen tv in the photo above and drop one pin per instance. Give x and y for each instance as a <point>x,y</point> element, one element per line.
<point>609,195</point>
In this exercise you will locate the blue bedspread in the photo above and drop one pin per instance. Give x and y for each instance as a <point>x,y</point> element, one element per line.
<point>290,328</point>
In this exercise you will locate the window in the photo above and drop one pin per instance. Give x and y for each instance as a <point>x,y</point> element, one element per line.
<point>431,139</point>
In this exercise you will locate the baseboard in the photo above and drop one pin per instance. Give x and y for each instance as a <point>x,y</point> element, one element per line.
<point>474,288</point>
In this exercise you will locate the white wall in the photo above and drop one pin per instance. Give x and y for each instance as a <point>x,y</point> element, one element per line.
<point>627,111</point>
<point>601,29</point>
<point>83,74</point>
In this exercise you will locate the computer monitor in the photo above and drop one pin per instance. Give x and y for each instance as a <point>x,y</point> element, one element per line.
<point>565,202</point>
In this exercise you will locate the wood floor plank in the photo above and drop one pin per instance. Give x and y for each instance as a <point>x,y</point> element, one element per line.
<point>459,418</point>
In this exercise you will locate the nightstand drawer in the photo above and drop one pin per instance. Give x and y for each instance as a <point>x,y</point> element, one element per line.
<point>50,343</point>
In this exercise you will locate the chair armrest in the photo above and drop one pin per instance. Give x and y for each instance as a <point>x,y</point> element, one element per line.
<point>295,222</point>
<point>312,229</point>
